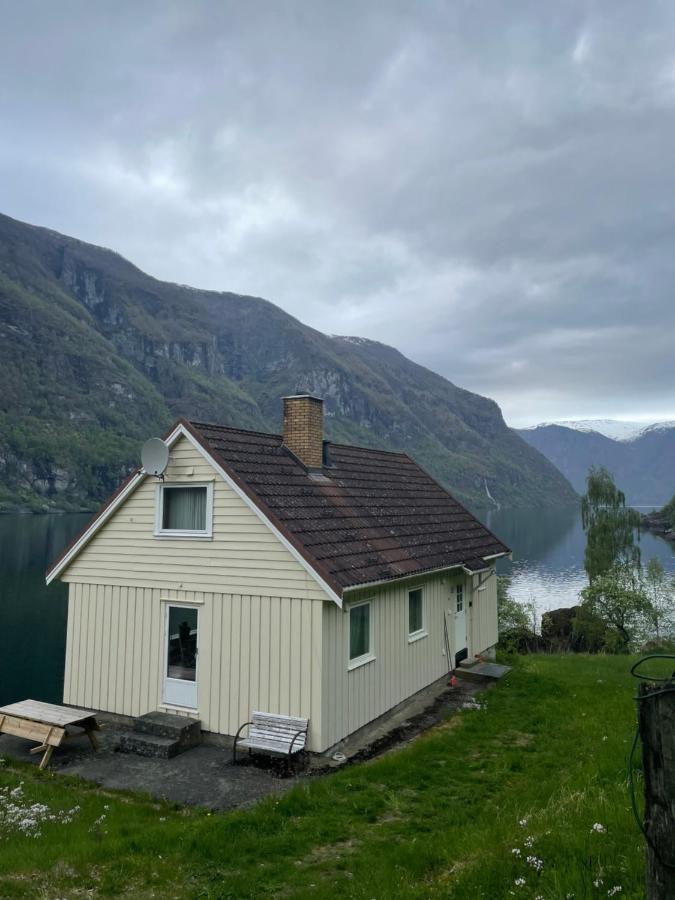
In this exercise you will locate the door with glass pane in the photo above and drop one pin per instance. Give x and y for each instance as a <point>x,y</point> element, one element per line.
<point>180,655</point>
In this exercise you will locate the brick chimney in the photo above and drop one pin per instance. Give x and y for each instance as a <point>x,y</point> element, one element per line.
<point>303,429</point>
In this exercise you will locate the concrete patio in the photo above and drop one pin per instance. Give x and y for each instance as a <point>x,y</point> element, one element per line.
<point>205,775</point>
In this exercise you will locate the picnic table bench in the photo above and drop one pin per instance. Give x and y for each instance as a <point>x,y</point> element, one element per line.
<point>273,734</point>
<point>47,723</point>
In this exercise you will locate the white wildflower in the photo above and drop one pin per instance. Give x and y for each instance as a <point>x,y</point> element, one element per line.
<point>523,822</point>
<point>614,890</point>
<point>519,882</point>
<point>97,822</point>
<point>535,862</point>
<point>516,851</point>
<point>529,841</point>
<point>599,828</point>
<point>598,882</point>
<point>19,815</point>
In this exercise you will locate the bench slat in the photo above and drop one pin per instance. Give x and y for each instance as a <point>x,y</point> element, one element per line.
<point>275,739</point>
<point>279,732</point>
<point>276,744</point>
<point>284,720</point>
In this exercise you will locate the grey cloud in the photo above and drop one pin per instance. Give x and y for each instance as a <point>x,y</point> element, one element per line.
<point>486,186</point>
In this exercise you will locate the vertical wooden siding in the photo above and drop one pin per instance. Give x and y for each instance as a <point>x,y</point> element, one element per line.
<point>484,631</point>
<point>254,653</point>
<point>353,698</point>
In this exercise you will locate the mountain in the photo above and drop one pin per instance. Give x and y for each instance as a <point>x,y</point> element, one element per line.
<point>616,429</point>
<point>642,465</point>
<point>96,356</point>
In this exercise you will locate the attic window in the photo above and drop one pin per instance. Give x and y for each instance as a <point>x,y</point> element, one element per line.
<point>184,510</point>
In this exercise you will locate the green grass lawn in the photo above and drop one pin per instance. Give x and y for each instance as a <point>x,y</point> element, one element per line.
<point>455,814</point>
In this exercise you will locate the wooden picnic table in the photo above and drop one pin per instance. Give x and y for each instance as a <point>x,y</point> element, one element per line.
<point>47,723</point>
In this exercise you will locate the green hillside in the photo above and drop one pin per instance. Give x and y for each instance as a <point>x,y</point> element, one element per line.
<point>525,795</point>
<point>97,356</point>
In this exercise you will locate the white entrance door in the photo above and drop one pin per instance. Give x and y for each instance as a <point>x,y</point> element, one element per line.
<point>180,655</point>
<point>461,642</point>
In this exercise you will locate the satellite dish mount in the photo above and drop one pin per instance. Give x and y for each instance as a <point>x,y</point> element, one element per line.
<point>155,457</point>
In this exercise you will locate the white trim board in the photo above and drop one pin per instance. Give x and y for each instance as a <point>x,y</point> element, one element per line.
<point>181,431</point>
<point>261,515</point>
<point>95,526</point>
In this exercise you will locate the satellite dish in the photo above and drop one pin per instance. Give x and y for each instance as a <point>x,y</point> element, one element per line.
<point>155,456</point>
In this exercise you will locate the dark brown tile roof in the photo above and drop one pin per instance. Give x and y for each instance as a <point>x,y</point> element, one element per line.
<point>374,515</point>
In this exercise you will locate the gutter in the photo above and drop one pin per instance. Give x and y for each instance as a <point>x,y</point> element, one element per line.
<point>423,573</point>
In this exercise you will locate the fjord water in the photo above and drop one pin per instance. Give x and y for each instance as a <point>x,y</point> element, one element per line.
<point>548,554</point>
<point>32,616</point>
<point>547,567</point>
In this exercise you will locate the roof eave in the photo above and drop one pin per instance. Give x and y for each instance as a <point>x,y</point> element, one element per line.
<point>421,573</point>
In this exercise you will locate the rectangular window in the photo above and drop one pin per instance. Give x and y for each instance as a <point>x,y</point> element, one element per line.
<point>359,632</point>
<point>460,597</point>
<point>184,510</point>
<point>415,612</point>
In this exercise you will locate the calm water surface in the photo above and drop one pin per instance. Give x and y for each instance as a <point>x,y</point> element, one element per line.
<point>547,567</point>
<point>32,616</point>
<point>548,554</point>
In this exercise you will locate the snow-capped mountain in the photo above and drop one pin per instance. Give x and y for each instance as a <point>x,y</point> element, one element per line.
<point>640,455</point>
<point>616,429</point>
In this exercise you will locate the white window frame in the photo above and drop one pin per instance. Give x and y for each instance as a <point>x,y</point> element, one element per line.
<point>198,534</point>
<point>421,632</point>
<point>459,591</point>
<point>359,661</point>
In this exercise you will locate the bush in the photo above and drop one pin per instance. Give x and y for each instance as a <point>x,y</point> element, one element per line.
<point>516,634</point>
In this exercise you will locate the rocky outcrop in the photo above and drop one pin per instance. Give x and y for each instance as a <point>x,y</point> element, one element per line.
<point>660,523</point>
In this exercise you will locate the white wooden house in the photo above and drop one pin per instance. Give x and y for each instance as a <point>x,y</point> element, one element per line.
<point>275,572</point>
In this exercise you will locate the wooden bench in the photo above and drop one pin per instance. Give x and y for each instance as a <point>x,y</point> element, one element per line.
<point>46,723</point>
<point>272,734</point>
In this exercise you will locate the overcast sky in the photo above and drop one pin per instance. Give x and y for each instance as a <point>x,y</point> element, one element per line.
<point>489,187</point>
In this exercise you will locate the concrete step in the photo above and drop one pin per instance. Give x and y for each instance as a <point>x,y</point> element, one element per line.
<point>149,745</point>
<point>181,728</point>
<point>162,735</point>
<point>483,672</point>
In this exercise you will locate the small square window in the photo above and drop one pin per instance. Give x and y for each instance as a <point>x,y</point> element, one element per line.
<point>460,597</point>
<point>184,510</point>
<point>415,611</point>
<point>359,631</point>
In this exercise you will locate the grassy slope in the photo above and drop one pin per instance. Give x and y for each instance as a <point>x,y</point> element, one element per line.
<point>439,818</point>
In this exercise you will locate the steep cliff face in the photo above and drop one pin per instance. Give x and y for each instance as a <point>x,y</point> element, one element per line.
<point>96,356</point>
